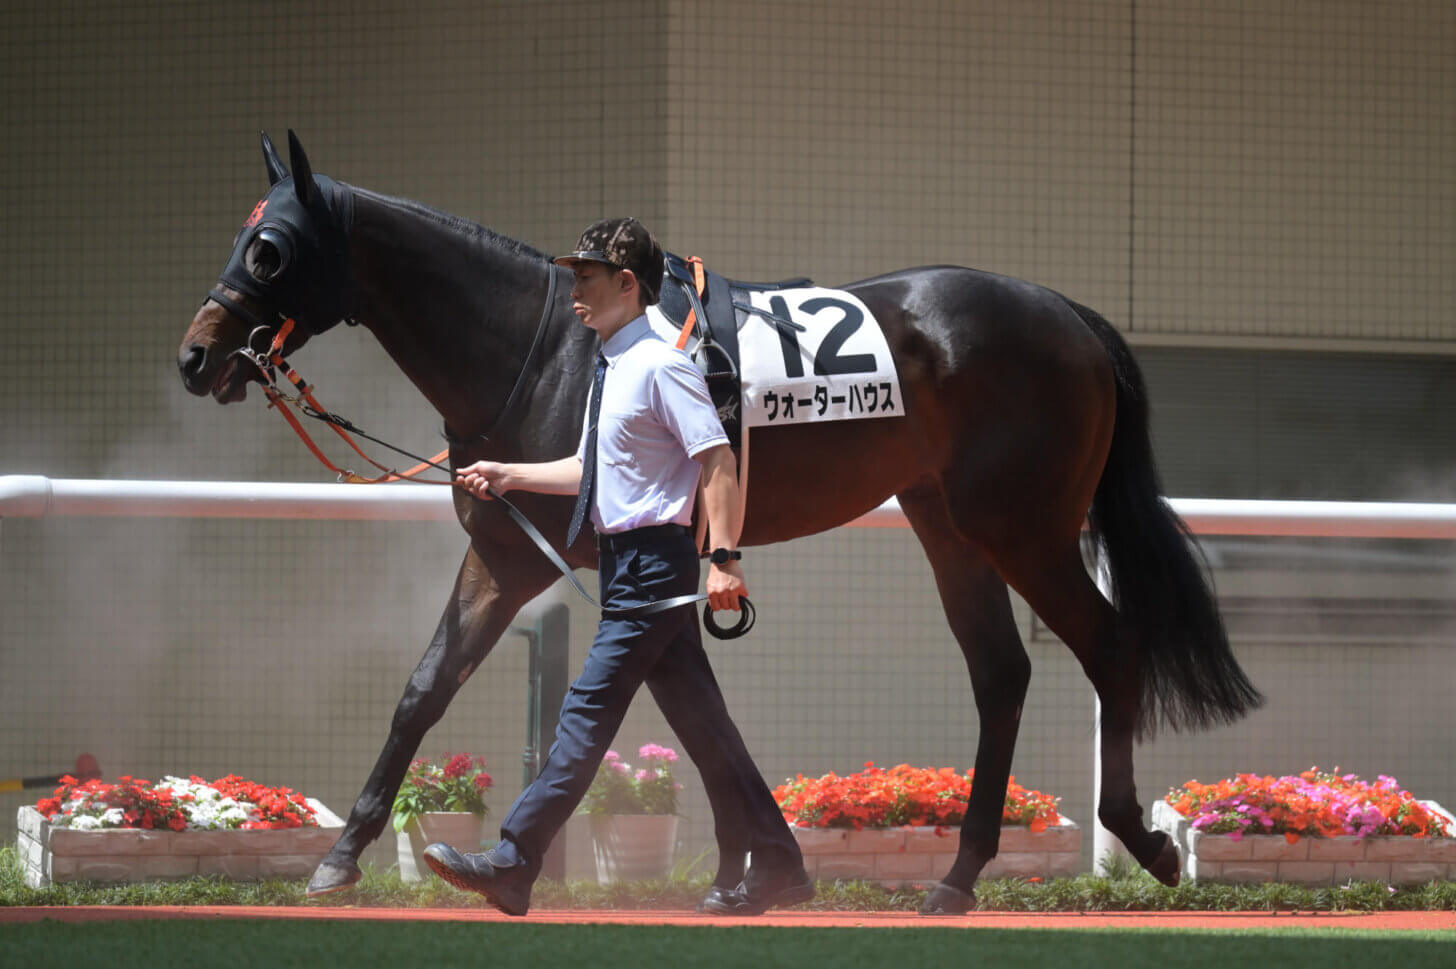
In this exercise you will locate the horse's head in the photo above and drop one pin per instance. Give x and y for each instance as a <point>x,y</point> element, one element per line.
<point>289,261</point>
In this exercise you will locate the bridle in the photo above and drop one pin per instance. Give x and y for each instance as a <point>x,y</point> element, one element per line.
<point>270,362</point>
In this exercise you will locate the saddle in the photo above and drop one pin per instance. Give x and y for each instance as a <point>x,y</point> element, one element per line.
<point>702,303</point>
<point>691,291</point>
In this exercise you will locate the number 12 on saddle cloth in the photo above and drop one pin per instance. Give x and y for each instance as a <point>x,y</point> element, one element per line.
<point>807,354</point>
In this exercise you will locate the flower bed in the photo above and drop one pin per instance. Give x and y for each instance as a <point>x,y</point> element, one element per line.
<point>1312,828</point>
<point>902,825</point>
<point>633,815</point>
<point>135,831</point>
<point>618,789</point>
<point>454,783</point>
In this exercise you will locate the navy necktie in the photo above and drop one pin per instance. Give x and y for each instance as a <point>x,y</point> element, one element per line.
<point>589,463</point>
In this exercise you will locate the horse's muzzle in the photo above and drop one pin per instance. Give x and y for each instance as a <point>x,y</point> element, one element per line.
<point>192,364</point>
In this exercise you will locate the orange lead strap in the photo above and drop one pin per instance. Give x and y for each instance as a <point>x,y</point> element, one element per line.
<point>305,392</point>
<point>700,283</point>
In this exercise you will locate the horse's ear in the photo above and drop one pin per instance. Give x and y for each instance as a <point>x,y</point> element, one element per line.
<point>276,171</point>
<point>302,174</point>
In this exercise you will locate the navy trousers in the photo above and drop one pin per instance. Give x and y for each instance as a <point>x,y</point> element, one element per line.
<point>664,650</point>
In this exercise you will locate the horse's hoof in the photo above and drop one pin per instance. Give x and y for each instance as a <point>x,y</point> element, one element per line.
<point>947,900</point>
<point>330,877</point>
<point>1167,867</point>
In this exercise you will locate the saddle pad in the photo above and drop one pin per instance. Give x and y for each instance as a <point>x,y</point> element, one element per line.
<point>837,368</point>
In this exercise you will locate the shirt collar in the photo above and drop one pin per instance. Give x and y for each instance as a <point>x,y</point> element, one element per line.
<point>619,342</point>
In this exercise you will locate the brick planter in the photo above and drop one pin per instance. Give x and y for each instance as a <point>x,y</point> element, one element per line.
<point>908,855</point>
<point>1395,860</point>
<point>52,854</point>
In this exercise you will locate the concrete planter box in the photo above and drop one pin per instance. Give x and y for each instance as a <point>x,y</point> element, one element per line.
<point>629,847</point>
<point>52,854</point>
<point>1395,860</point>
<point>916,855</point>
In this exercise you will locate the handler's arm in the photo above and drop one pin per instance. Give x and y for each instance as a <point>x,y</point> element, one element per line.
<point>560,477</point>
<point>722,506</point>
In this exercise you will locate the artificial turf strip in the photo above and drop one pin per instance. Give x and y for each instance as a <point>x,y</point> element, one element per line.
<point>281,944</point>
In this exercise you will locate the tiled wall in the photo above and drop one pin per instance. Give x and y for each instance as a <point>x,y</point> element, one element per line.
<point>1213,175</point>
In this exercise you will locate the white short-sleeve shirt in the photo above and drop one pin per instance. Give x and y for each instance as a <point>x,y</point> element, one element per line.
<point>655,416</point>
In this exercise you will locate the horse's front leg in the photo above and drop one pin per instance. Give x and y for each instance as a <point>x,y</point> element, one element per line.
<point>481,607</point>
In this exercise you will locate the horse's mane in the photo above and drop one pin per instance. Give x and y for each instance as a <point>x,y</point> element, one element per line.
<point>470,231</point>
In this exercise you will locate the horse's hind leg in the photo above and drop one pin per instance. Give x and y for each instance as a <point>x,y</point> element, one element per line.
<point>979,612</point>
<point>1056,585</point>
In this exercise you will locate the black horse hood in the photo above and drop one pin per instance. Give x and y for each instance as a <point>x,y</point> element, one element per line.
<point>291,256</point>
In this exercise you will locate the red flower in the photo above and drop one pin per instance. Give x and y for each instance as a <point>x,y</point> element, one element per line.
<point>899,796</point>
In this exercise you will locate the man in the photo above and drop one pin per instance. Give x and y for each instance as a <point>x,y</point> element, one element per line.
<point>651,431</point>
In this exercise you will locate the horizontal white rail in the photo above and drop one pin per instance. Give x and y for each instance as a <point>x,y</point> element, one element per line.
<point>37,496</point>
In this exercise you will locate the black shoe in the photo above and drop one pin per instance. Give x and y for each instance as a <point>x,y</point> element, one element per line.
<point>709,904</point>
<point>756,894</point>
<point>508,889</point>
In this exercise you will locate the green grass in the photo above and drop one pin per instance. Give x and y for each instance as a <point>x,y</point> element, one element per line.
<point>314,945</point>
<point>1085,893</point>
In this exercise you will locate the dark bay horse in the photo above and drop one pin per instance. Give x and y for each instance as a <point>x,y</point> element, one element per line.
<point>1023,418</point>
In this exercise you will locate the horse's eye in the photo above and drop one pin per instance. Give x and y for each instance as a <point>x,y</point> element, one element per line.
<point>267,255</point>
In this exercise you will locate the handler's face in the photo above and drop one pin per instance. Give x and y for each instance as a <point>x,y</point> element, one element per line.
<point>603,298</point>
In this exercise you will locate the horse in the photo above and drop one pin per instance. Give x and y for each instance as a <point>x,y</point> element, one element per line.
<point>1023,418</point>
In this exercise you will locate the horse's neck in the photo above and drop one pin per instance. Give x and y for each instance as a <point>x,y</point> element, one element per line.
<point>456,307</point>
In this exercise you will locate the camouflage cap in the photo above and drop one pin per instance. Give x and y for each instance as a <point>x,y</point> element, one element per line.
<point>622,244</point>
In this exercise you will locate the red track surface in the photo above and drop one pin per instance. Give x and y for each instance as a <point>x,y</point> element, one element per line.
<point>1237,921</point>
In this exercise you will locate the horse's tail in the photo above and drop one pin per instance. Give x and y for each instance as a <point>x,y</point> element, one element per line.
<point>1189,676</point>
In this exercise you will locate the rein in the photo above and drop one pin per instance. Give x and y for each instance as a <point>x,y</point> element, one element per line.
<point>270,360</point>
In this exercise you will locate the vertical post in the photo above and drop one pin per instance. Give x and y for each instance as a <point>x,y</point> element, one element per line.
<point>548,644</point>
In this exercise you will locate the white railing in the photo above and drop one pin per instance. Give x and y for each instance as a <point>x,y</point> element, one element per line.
<point>36,496</point>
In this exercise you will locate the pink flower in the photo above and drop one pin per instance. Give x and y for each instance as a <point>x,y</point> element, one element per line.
<point>656,752</point>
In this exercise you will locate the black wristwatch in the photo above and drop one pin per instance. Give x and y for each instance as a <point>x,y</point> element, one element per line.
<point>722,556</point>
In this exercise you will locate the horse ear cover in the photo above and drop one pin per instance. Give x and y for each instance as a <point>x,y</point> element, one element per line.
<point>276,171</point>
<point>302,174</point>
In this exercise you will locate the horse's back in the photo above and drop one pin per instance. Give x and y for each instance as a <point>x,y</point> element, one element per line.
<point>1003,387</point>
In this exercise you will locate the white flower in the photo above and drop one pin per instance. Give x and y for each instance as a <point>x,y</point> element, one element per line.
<point>85,822</point>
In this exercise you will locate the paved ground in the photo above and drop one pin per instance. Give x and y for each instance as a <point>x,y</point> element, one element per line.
<point>1242,921</point>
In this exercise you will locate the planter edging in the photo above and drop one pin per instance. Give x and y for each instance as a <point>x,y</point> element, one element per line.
<point>631,847</point>
<point>1255,858</point>
<point>51,854</point>
<point>914,854</point>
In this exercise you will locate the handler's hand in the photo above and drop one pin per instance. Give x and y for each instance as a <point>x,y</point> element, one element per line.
<point>725,586</point>
<point>476,478</point>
